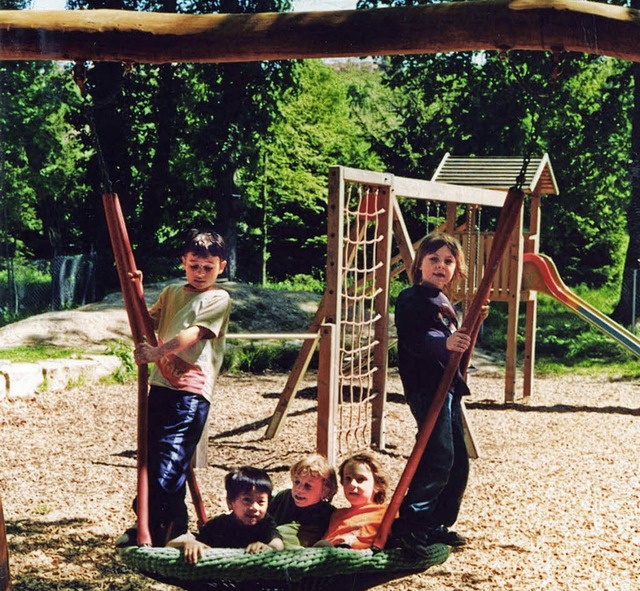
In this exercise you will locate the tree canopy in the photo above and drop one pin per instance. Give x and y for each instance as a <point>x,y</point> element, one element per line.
<point>248,146</point>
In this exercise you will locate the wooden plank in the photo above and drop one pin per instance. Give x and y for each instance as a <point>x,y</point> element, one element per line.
<point>437,191</point>
<point>131,36</point>
<point>403,242</point>
<point>470,440</point>
<point>272,336</point>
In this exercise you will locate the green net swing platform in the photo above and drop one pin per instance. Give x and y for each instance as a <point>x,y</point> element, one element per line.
<point>309,569</point>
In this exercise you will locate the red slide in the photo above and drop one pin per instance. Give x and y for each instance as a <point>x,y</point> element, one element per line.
<point>541,274</point>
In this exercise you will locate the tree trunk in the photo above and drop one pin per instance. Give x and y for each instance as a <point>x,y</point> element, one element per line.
<point>625,308</point>
<point>227,211</point>
<point>154,196</point>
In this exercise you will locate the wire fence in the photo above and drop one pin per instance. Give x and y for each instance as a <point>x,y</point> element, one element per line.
<point>29,287</point>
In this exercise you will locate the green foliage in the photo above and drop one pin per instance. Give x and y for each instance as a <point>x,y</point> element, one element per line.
<point>34,353</point>
<point>317,128</point>
<point>300,282</point>
<point>259,358</point>
<point>27,273</point>
<point>44,158</point>
<point>248,146</point>
<point>128,370</point>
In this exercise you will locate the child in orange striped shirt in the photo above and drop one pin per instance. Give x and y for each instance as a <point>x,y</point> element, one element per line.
<point>365,487</point>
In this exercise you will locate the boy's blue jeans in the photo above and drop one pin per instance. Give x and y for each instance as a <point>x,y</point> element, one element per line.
<point>436,490</point>
<point>176,421</point>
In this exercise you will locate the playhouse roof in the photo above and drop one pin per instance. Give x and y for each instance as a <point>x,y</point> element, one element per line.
<point>497,172</point>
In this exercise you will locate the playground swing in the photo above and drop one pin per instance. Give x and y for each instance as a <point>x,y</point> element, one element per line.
<point>324,568</point>
<point>224,568</point>
<point>311,568</point>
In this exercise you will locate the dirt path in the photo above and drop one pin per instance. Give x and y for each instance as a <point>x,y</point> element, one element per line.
<point>552,504</point>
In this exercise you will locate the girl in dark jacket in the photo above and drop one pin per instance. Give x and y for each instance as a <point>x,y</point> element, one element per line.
<point>427,334</point>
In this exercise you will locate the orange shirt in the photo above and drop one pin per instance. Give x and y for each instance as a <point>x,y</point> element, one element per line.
<point>356,527</point>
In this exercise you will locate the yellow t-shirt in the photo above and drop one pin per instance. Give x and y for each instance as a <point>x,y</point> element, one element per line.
<point>194,369</point>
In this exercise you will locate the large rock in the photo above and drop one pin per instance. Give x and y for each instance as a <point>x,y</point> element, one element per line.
<point>25,380</point>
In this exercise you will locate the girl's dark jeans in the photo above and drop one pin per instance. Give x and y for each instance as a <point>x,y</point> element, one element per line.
<point>436,490</point>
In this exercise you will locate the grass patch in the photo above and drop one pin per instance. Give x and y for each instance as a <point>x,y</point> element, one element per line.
<point>258,358</point>
<point>34,353</point>
<point>565,343</point>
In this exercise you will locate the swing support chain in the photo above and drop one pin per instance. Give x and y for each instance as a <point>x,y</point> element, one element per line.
<point>541,99</point>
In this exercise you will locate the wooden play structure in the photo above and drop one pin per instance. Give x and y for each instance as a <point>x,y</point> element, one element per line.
<point>496,173</point>
<point>353,326</point>
<point>352,321</point>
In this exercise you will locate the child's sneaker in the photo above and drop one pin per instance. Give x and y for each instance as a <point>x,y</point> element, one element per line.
<point>128,538</point>
<point>448,537</point>
<point>416,542</point>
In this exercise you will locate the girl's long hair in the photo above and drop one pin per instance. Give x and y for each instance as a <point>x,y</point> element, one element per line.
<point>430,244</point>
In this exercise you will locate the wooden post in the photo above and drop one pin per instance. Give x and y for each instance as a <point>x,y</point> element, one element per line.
<point>381,306</point>
<point>514,278</point>
<point>5,577</point>
<point>327,392</point>
<point>531,315</point>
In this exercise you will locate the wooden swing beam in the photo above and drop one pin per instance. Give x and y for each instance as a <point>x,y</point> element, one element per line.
<point>500,25</point>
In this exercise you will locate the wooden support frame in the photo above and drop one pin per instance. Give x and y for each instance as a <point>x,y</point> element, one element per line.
<point>327,392</point>
<point>329,313</point>
<point>514,265</point>
<point>381,305</point>
<point>499,25</point>
<point>295,375</point>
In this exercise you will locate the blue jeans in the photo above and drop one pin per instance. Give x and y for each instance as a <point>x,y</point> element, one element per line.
<point>176,421</point>
<point>436,490</point>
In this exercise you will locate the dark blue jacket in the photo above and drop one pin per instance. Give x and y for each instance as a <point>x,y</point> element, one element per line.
<point>423,317</point>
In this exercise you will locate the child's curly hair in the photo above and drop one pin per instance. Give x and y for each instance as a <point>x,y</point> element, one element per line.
<point>379,477</point>
<point>317,465</point>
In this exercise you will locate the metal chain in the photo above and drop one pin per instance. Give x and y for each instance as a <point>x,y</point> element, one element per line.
<point>542,101</point>
<point>80,78</point>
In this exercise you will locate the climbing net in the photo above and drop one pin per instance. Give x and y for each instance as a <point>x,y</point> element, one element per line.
<point>362,319</point>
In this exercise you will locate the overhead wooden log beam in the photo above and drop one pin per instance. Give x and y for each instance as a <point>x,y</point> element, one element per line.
<point>113,35</point>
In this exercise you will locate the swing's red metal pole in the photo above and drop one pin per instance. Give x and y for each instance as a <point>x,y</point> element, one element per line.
<point>142,330</point>
<point>126,273</point>
<point>507,221</point>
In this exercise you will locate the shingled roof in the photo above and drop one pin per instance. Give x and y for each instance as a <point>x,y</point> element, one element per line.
<point>497,172</point>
